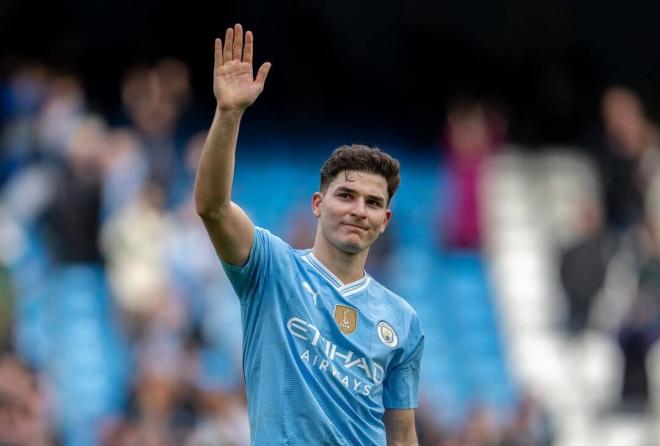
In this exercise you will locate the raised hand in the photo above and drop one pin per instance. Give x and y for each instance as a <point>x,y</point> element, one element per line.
<point>234,86</point>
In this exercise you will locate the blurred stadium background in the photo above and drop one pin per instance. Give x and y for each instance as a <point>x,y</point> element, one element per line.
<point>525,232</point>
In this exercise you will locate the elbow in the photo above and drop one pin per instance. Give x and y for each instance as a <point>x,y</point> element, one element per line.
<point>202,207</point>
<point>210,212</point>
<point>207,207</point>
<point>204,213</point>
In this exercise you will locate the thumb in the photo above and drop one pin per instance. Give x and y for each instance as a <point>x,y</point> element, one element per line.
<point>262,74</point>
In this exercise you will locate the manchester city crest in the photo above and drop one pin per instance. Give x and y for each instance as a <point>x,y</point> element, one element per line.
<point>387,334</point>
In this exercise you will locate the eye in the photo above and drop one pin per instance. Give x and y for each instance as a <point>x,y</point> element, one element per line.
<point>343,195</point>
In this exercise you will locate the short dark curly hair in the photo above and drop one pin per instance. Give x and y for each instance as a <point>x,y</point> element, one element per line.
<point>361,158</point>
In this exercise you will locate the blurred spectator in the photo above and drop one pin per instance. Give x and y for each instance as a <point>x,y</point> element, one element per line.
<point>629,166</point>
<point>154,99</point>
<point>472,132</point>
<point>632,156</point>
<point>641,327</point>
<point>124,170</point>
<point>60,129</point>
<point>24,91</point>
<point>584,265</point>
<point>21,96</point>
<point>531,426</point>
<point>429,431</point>
<point>183,186</point>
<point>62,112</point>
<point>479,429</point>
<point>22,407</point>
<point>134,242</point>
<point>73,217</point>
<point>224,422</point>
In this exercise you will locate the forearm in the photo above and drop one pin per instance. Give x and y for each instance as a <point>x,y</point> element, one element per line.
<point>400,427</point>
<point>215,173</point>
<point>407,438</point>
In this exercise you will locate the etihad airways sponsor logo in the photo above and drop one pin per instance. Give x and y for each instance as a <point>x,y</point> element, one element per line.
<point>330,359</point>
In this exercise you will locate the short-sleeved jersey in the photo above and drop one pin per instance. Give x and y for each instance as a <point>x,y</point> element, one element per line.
<point>322,360</point>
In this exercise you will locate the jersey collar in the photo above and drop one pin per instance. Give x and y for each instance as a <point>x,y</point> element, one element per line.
<point>344,289</point>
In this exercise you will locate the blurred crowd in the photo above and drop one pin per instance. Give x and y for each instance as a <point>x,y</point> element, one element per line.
<point>83,198</point>
<point>83,195</point>
<point>608,257</point>
<point>618,240</point>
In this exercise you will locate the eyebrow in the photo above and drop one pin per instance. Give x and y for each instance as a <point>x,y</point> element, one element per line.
<point>342,189</point>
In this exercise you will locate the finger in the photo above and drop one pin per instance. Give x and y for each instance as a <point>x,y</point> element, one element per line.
<point>218,54</point>
<point>262,74</point>
<point>238,42</point>
<point>229,41</point>
<point>247,51</point>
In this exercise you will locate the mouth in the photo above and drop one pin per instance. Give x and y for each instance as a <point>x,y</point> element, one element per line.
<point>352,225</point>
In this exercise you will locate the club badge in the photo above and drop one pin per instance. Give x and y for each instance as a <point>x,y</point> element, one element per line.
<point>387,334</point>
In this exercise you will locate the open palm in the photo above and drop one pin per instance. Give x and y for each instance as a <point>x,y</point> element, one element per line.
<point>234,86</point>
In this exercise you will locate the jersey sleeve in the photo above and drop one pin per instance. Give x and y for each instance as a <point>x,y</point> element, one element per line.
<point>401,386</point>
<point>246,279</point>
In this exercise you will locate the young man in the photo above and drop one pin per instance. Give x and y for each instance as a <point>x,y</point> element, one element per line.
<point>330,356</point>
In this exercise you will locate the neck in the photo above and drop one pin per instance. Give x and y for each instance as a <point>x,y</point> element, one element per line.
<point>348,267</point>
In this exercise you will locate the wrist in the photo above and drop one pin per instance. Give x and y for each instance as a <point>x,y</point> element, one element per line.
<point>233,112</point>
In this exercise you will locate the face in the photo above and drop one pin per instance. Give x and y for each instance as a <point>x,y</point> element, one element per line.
<point>624,119</point>
<point>353,211</point>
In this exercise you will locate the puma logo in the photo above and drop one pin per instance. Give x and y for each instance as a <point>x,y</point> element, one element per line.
<point>309,289</point>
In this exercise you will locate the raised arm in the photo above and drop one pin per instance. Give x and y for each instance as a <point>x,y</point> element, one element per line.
<point>235,89</point>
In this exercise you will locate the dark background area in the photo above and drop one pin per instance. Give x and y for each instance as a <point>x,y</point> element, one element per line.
<point>365,64</point>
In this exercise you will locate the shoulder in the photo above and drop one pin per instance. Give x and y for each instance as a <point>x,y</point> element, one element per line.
<point>266,249</point>
<point>266,237</point>
<point>393,299</point>
<point>401,314</point>
<point>274,250</point>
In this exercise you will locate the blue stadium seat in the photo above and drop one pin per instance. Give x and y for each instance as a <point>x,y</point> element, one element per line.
<point>87,361</point>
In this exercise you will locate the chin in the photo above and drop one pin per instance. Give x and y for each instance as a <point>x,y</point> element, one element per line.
<point>350,246</point>
<point>352,249</point>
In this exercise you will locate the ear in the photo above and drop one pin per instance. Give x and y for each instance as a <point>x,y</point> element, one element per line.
<point>317,198</point>
<point>388,217</point>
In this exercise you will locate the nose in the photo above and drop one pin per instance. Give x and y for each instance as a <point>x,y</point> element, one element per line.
<point>359,209</point>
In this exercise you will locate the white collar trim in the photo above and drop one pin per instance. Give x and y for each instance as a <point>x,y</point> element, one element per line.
<point>344,289</point>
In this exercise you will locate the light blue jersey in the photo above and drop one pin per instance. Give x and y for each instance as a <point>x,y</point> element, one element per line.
<point>322,360</point>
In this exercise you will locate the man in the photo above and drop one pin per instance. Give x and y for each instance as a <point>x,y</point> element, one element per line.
<point>330,356</point>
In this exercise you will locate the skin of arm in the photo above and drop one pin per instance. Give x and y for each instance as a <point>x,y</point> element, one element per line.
<point>400,427</point>
<point>235,89</point>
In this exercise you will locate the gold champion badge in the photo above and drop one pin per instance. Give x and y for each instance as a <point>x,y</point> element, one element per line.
<point>346,318</point>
